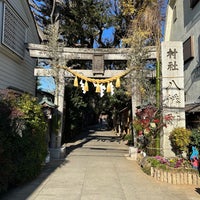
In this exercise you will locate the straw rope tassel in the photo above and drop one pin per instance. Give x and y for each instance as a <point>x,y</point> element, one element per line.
<point>76,82</point>
<point>108,89</point>
<point>98,89</point>
<point>117,84</point>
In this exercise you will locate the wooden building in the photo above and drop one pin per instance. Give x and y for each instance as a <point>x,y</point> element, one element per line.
<point>17,28</point>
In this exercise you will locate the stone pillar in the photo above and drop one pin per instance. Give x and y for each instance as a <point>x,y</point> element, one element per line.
<point>135,101</point>
<point>60,103</point>
<point>57,151</point>
<point>173,102</point>
<point>133,153</point>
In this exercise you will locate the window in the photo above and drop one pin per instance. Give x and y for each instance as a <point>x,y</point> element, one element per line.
<point>14,31</point>
<point>193,3</point>
<point>188,49</point>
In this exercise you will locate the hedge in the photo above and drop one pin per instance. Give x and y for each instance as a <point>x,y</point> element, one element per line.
<point>23,146</point>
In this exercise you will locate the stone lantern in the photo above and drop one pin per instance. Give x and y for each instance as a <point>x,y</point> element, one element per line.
<point>49,108</point>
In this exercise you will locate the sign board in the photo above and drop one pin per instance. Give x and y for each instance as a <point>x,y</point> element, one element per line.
<point>98,64</point>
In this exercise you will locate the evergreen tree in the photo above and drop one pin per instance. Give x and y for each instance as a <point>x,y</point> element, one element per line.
<point>82,22</point>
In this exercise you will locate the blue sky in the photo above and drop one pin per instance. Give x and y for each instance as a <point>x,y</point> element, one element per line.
<point>47,84</point>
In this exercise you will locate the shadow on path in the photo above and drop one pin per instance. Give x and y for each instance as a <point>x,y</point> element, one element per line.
<point>88,135</point>
<point>24,191</point>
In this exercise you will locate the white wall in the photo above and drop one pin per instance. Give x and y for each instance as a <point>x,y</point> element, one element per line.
<point>186,25</point>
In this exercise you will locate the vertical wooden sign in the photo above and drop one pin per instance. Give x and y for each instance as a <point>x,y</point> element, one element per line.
<point>98,64</point>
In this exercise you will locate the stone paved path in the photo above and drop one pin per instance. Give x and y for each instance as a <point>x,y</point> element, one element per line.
<point>96,168</point>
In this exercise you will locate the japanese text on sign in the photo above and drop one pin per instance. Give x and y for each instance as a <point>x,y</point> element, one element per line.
<point>172,65</point>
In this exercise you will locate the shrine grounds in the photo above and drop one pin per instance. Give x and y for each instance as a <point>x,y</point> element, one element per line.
<point>97,167</point>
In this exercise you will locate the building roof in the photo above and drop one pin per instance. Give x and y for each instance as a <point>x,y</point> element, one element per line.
<point>47,103</point>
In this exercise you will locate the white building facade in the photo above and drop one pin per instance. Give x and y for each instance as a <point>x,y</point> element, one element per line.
<point>183,24</point>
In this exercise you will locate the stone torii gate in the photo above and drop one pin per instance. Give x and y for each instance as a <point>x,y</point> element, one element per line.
<point>98,56</point>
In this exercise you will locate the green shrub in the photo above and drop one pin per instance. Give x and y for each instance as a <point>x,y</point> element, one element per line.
<point>180,139</point>
<point>23,145</point>
<point>128,137</point>
<point>6,147</point>
<point>154,162</point>
<point>195,138</point>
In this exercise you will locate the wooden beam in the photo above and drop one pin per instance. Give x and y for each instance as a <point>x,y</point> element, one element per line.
<point>42,51</point>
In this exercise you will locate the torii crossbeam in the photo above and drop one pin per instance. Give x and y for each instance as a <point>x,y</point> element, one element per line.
<point>98,56</point>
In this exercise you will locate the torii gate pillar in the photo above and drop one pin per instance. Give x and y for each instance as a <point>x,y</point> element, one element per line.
<point>56,150</point>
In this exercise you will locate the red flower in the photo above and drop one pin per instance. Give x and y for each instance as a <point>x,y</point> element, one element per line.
<point>168,117</point>
<point>156,121</point>
<point>145,121</point>
<point>140,133</point>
